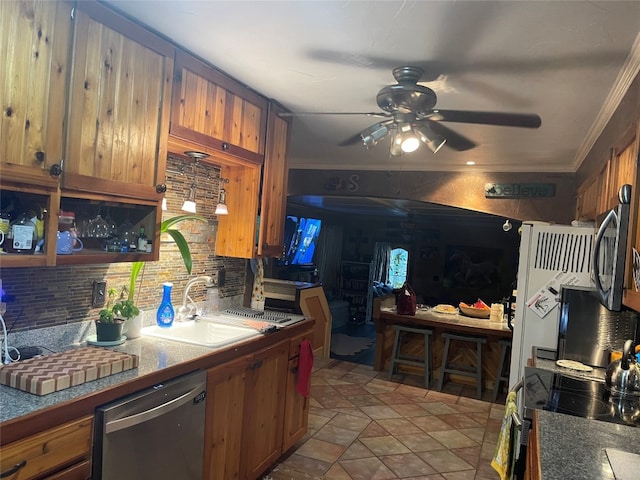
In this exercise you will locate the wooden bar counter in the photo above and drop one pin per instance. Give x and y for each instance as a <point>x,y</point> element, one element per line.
<point>460,353</point>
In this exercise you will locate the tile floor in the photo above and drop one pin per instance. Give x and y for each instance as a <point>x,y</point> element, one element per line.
<point>364,427</point>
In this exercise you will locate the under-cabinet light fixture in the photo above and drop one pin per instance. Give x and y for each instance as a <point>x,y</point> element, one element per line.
<point>189,204</point>
<point>221,207</point>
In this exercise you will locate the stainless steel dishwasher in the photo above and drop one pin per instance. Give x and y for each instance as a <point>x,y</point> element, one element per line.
<point>156,433</point>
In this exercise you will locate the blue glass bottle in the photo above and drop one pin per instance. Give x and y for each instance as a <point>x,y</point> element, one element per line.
<point>165,314</point>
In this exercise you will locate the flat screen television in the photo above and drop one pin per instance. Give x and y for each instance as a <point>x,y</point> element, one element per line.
<point>300,240</point>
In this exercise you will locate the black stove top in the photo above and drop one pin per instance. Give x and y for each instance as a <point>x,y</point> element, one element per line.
<point>548,390</point>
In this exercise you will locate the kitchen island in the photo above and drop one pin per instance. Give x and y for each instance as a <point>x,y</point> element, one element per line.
<point>260,369</point>
<point>440,323</point>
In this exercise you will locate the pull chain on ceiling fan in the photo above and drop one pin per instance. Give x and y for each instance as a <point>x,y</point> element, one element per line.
<point>412,120</point>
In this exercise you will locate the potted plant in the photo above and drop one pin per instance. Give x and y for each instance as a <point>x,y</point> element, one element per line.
<point>109,325</point>
<point>134,324</point>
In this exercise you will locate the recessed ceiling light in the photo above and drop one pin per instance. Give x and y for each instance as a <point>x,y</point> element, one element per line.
<point>471,162</point>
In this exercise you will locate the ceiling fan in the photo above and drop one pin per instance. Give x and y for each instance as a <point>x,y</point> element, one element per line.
<point>411,119</point>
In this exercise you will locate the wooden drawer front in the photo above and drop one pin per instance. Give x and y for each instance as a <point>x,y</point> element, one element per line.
<point>294,343</point>
<point>48,451</point>
<point>79,471</point>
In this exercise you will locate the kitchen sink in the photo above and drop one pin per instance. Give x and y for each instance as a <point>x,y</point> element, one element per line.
<point>204,333</point>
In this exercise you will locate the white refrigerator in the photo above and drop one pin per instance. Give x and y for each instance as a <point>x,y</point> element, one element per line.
<point>550,255</point>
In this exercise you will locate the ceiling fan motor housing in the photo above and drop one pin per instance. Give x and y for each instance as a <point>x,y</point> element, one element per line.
<point>416,99</point>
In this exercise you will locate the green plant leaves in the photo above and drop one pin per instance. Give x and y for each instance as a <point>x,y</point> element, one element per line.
<point>178,238</point>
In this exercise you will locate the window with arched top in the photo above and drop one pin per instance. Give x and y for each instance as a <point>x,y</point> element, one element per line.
<point>398,261</point>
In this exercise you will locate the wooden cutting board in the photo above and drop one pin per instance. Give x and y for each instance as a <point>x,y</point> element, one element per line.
<point>55,372</point>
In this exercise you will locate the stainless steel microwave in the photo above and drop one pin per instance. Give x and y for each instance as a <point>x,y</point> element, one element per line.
<point>610,250</point>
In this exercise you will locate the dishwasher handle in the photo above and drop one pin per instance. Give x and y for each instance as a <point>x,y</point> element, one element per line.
<point>155,412</point>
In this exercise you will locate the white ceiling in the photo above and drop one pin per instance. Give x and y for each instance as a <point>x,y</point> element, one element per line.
<point>568,61</point>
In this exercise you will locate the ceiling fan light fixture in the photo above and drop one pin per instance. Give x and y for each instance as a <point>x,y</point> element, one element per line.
<point>410,144</point>
<point>376,133</point>
<point>406,138</point>
<point>396,145</point>
<point>430,138</point>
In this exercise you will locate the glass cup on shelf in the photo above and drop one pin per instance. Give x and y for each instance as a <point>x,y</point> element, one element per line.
<point>98,227</point>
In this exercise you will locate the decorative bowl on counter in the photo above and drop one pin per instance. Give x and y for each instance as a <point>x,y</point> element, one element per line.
<point>474,312</point>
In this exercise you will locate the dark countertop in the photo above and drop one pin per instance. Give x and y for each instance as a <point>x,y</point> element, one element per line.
<point>574,447</point>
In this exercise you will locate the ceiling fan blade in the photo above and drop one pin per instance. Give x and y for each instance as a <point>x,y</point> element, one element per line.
<point>455,141</point>
<point>524,120</point>
<point>309,114</point>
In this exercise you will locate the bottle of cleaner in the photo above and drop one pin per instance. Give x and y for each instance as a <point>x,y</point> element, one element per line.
<point>165,314</point>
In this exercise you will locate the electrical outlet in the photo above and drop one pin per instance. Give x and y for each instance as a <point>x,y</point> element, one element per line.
<point>99,295</point>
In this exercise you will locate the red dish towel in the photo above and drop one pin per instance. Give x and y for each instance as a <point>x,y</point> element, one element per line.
<point>305,364</point>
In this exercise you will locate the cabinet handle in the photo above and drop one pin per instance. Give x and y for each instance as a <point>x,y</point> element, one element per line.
<point>40,157</point>
<point>13,469</point>
<point>161,188</point>
<point>257,364</point>
<point>55,170</point>
<point>225,146</point>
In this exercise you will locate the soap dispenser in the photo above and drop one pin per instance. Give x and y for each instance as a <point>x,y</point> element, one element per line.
<point>165,314</point>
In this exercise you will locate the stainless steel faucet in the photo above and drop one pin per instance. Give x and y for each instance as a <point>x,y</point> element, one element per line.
<point>191,311</point>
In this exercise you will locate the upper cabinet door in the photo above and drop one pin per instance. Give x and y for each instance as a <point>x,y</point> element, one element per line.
<point>119,106</point>
<point>212,110</point>
<point>34,53</point>
<point>273,200</point>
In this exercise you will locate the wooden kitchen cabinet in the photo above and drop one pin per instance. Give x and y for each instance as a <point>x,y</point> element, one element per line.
<point>215,111</point>
<point>223,428</point>
<point>120,92</point>
<point>34,54</point>
<point>264,409</point>
<point>236,234</point>
<point>599,193</point>
<point>532,461</point>
<point>39,200</point>
<point>296,411</point>
<point>630,153</point>
<point>245,416</point>
<point>273,192</point>
<point>588,198</point>
<point>61,453</point>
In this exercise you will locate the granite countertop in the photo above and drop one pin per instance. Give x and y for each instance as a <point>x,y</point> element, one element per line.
<point>574,447</point>
<point>154,354</point>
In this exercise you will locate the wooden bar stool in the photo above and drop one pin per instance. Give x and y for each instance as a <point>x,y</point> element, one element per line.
<point>468,371</point>
<point>501,374</point>
<point>397,357</point>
